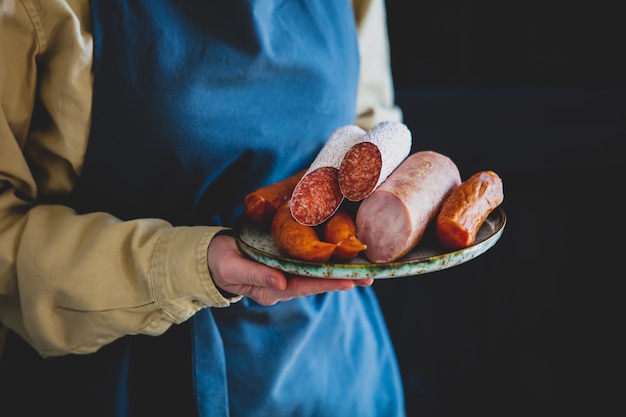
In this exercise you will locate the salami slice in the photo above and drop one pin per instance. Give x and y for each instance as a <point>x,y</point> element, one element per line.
<point>368,163</point>
<point>317,195</point>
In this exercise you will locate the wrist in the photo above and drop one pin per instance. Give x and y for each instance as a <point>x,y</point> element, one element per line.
<point>224,293</point>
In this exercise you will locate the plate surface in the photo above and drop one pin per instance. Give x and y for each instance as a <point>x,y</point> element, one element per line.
<point>427,256</point>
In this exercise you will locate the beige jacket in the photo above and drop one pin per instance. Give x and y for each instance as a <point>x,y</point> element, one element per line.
<point>72,283</point>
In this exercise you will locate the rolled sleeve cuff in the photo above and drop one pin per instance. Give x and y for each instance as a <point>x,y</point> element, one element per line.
<point>180,277</point>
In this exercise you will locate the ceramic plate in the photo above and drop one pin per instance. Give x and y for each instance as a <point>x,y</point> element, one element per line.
<point>427,256</point>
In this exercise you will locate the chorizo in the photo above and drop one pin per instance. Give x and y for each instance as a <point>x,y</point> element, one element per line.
<point>297,240</point>
<point>368,163</point>
<point>317,195</point>
<point>341,230</point>
<point>466,209</point>
<point>393,219</point>
<point>261,204</point>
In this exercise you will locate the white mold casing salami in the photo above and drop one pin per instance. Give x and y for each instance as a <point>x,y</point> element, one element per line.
<point>317,195</point>
<point>393,219</point>
<point>368,163</point>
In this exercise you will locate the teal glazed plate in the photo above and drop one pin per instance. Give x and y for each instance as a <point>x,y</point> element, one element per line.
<point>427,256</point>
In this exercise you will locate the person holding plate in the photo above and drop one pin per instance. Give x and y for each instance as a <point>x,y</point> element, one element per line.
<point>130,131</point>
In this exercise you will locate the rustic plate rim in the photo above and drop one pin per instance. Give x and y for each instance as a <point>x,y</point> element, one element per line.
<point>361,270</point>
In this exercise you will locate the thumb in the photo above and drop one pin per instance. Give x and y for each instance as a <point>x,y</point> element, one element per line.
<point>233,272</point>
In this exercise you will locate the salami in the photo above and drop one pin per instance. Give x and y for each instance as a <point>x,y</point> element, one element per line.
<point>368,163</point>
<point>260,205</point>
<point>393,219</point>
<point>296,240</point>
<point>466,209</point>
<point>317,195</point>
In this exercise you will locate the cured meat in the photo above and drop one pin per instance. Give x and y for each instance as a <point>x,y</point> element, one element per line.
<point>260,205</point>
<point>317,195</point>
<point>341,230</point>
<point>368,163</point>
<point>296,240</point>
<point>393,219</point>
<point>466,209</point>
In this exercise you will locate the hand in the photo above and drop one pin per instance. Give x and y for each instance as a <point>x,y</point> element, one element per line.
<point>234,273</point>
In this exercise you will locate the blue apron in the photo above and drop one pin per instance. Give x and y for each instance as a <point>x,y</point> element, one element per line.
<point>195,104</point>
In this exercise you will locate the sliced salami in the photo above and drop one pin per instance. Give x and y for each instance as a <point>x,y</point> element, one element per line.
<point>317,195</point>
<point>368,163</point>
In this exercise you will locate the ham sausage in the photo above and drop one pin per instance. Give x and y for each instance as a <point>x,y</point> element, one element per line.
<point>466,209</point>
<point>393,219</point>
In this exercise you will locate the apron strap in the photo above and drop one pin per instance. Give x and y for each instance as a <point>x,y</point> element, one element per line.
<point>209,370</point>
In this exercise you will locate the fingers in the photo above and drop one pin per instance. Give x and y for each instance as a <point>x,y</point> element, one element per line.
<point>229,268</point>
<point>237,274</point>
<point>298,286</point>
<point>367,282</point>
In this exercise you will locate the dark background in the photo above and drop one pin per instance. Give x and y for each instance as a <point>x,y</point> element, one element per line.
<point>535,91</point>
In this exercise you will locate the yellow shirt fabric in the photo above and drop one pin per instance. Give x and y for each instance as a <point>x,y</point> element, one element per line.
<point>73,283</point>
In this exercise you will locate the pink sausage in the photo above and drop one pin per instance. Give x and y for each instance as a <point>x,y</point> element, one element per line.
<point>393,219</point>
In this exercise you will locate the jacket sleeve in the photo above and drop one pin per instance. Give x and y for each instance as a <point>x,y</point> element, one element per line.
<point>375,99</point>
<point>72,283</point>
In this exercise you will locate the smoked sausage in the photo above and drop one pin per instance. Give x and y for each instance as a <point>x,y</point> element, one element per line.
<point>393,219</point>
<point>341,230</point>
<point>260,205</point>
<point>466,209</point>
<point>297,240</point>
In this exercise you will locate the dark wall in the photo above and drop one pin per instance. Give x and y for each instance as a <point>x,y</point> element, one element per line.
<point>536,92</point>
<point>493,43</point>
